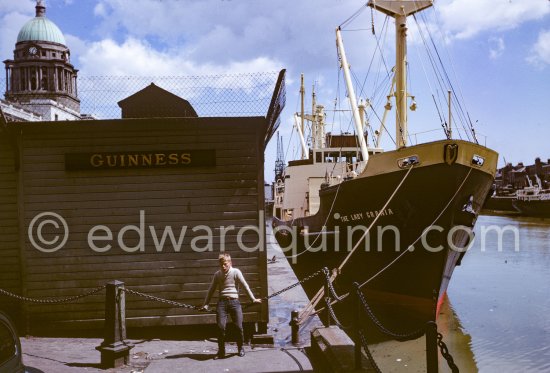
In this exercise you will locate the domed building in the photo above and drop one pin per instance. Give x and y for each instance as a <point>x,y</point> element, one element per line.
<point>41,78</point>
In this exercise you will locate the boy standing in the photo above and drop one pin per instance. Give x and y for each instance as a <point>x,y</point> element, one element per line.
<point>227,281</point>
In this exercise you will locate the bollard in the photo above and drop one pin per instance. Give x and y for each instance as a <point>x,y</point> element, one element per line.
<point>114,350</point>
<point>431,347</point>
<point>295,327</point>
<point>357,326</point>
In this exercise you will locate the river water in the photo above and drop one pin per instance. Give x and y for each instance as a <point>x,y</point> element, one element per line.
<point>496,317</point>
<point>501,295</point>
<point>497,314</point>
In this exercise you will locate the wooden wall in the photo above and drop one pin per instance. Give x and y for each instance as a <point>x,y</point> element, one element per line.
<point>230,193</point>
<point>10,265</point>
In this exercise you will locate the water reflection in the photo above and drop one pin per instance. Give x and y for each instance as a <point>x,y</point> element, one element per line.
<point>502,298</point>
<point>410,356</point>
<point>496,317</point>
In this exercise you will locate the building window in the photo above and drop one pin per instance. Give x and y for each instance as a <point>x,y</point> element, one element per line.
<point>33,79</point>
<point>318,157</point>
<point>56,117</point>
<point>44,80</point>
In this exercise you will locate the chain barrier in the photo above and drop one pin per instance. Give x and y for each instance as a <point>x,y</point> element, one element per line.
<point>398,336</point>
<point>313,275</point>
<point>161,300</point>
<point>137,293</point>
<point>189,306</point>
<point>52,300</point>
<point>445,353</point>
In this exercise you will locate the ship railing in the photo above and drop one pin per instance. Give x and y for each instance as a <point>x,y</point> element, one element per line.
<point>534,197</point>
<point>437,133</point>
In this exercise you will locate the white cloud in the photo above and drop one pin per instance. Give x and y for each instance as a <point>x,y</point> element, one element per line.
<point>467,18</point>
<point>137,58</point>
<point>497,47</point>
<point>11,24</point>
<point>214,31</point>
<point>540,53</point>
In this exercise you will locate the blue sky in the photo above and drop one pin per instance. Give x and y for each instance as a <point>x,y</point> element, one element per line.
<point>499,53</point>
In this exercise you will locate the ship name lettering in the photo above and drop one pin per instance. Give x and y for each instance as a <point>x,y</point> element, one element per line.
<point>374,214</point>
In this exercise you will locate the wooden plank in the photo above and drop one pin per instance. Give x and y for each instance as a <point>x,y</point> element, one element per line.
<point>248,263</point>
<point>251,278</point>
<point>153,271</point>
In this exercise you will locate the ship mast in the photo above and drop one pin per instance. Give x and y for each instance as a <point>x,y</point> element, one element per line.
<point>400,10</point>
<point>352,100</point>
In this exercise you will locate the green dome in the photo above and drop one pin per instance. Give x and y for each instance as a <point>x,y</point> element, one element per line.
<point>41,29</point>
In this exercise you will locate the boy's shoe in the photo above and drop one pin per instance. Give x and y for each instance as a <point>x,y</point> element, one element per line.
<point>241,352</point>
<point>219,356</point>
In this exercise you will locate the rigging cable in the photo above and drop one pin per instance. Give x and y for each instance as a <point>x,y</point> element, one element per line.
<point>354,15</point>
<point>437,76</point>
<point>437,21</point>
<point>444,74</point>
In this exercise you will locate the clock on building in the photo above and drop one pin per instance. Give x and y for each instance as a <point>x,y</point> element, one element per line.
<point>33,51</point>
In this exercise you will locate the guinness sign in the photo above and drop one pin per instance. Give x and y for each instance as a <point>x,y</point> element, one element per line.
<point>141,159</point>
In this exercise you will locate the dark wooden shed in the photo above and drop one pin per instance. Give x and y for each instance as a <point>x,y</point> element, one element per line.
<point>126,185</point>
<point>155,102</point>
<point>150,201</point>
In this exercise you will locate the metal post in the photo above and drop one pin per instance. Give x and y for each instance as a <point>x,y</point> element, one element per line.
<point>431,347</point>
<point>295,327</point>
<point>357,326</point>
<point>115,351</point>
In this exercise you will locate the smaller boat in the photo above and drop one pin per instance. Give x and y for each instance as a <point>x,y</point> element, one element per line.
<point>533,200</point>
<point>500,202</point>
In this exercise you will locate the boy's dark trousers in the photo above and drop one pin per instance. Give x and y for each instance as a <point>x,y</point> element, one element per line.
<point>232,307</point>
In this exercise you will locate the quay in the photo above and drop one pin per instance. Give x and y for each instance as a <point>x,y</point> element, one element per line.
<point>188,349</point>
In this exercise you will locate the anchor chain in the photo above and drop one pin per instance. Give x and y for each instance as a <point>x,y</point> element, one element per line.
<point>333,316</point>
<point>445,353</point>
<point>330,286</point>
<point>366,348</point>
<point>398,336</point>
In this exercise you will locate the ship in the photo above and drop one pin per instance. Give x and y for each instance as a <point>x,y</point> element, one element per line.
<point>500,202</point>
<point>533,200</point>
<point>394,222</point>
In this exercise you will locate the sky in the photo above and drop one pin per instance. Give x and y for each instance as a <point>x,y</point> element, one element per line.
<point>498,53</point>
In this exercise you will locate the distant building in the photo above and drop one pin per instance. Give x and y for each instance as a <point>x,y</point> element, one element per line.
<point>518,176</point>
<point>40,78</point>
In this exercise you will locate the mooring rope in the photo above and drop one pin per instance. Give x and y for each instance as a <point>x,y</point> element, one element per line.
<point>315,300</point>
<point>342,297</point>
